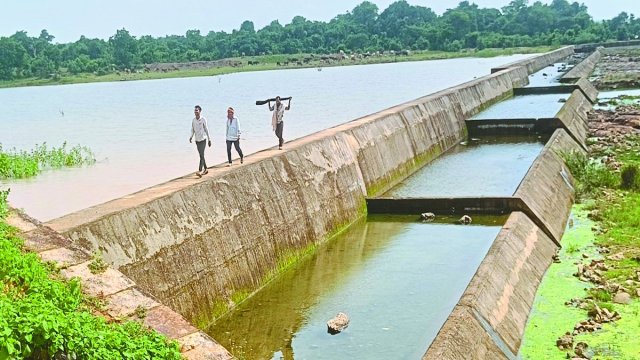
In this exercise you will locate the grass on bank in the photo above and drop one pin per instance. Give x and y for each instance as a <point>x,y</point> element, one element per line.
<point>43,316</point>
<point>608,217</point>
<point>268,62</point>
<point>16,164</point>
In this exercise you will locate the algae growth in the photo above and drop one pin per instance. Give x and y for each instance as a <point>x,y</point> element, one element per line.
<point>551,318</point>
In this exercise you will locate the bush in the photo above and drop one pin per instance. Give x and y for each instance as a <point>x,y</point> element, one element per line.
<point>629,177</point>
<point>42,317</point>
<point>590,175</point>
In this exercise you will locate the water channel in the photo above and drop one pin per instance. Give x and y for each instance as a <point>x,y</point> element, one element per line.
<point>492,166</point>
<point>139,130</point>
<point>525,107</point>
<point>396,278</point>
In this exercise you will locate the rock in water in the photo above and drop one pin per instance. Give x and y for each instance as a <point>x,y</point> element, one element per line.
<point>338,323</point>
<point>466,220</point>
<point>427,217</point>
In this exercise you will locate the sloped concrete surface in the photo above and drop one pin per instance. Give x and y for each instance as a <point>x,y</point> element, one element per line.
<point>489,320</point>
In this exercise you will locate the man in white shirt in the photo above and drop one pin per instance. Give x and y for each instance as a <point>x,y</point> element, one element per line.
<point>233,135</point>
<point>200,130</point>
<point>276,119</point>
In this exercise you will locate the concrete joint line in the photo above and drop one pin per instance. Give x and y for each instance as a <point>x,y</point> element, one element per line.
<point>524,207</point>
<point>497,339</point>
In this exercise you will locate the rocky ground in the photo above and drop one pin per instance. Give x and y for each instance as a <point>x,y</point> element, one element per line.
<point>619,68</point>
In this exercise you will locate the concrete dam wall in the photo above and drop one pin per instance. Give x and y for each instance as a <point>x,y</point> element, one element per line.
<point>196,244</point>
<point>193,244</point>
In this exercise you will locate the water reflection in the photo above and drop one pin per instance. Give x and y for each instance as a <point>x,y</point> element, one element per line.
<point>139,130</point>
<point>396,278</point>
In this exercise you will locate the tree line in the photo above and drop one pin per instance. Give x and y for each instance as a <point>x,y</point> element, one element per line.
<point>400,26</point>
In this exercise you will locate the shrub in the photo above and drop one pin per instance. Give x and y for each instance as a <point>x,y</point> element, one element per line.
<point>629,177</point>
<point>590,175</point>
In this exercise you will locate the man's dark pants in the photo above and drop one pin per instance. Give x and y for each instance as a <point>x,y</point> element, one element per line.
<point>201,145</point>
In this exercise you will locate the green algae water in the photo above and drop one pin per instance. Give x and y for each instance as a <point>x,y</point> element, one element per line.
<point>396,278</point>
<point>482,167</point>
<point>550,318</point>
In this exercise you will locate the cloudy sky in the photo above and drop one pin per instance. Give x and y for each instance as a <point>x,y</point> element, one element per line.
<point>68,19</point>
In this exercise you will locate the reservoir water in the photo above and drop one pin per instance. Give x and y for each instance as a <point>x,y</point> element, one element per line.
<point>139,130</point>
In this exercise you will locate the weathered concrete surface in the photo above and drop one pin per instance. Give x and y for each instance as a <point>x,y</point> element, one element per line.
<point>547,188</point>
<point>587,88</point>
<point>583,85</point>
<point>593,46</point>
<point>583,69</point>
<point>573,116</point>
<point>539,62</point>
<point>489,320</point>
<point>194,243</point>
<point>121,297</point>
<point>459,205</point>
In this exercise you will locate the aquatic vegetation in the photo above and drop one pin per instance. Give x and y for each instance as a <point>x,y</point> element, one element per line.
<point>16,164</point>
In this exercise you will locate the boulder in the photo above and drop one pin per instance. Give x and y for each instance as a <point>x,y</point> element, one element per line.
<point>338,323</point>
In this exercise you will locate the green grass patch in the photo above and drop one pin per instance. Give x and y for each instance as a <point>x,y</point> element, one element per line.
<point>42,316</point>
<point>23,164</point>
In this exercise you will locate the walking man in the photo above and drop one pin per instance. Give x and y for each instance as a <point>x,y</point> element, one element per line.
<point>201,131</point>
<point>233,135</point>
<point>276,119</point>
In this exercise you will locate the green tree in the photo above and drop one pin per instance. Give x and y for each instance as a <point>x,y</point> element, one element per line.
<point>124,49</point>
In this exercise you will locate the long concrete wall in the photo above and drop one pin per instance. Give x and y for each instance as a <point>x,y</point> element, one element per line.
<point>194,243</point>
<point>536,63</point>
<point>582,69</point>
<point>489,320</point>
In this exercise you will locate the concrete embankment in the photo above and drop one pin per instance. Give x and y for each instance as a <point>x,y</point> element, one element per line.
<point>489,320</point>
<point>536,63</point>
<point>582,69</point>
<point>194,244</point>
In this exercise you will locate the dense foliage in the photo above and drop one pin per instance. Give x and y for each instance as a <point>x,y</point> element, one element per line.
<point>44,318</point>
<point>401,26</point>
<point>23,164</point>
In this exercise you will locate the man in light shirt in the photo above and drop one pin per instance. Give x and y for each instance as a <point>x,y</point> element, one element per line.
<point>233,135</point>
<point>276,119</point>
<point>200,130</point>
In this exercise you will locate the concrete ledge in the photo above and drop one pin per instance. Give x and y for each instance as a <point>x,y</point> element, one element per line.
<point>587,89</point>
<point>547,188</point>
<point>538,62</point>
<point>483,127</point>
<point>458,206</point>
<point>583,69</point>
<point>489,320</point>
<point>120,294</point>
<point>593,46</point>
